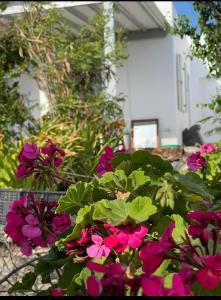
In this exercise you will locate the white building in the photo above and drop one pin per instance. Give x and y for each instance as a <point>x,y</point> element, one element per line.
<point>161,84</point>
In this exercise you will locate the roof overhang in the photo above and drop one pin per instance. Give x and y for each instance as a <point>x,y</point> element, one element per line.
<point>132,15</point>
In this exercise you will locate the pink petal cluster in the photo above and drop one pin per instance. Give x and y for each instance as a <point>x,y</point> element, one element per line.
<point>32,222</point>
<point>34,160</point>
<point>125,236</point>
<point>207,148</point>
<point>104,162</point>
<point>196,161</point>
<point>99,249</point>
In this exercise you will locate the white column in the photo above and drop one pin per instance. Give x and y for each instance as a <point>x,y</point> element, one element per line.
<point>109,36</point>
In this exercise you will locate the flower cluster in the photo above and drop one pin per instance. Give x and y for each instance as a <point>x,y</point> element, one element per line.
<point>198,263</point>
<point>104,162</point>
<point>196,161</point>
<point>32,222</point>
<point>94,245</point>
<point>33,159</point>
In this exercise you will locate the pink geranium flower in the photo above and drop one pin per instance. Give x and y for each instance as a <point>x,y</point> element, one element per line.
<point>98,249</point>
<point>207,148</point>
<point>125,236</point>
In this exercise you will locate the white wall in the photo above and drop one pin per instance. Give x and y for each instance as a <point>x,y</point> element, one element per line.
<point>33,96</point>
<point>202,89</point>
<point>148,80</point>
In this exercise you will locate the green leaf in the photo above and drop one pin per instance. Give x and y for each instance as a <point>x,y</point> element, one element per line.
<point>137,179</point>
<point>27,282</point>
<point>162,270</point>
<point>70,269</point>
<point>159,165</point>
<point>193,183</point>
<point>114,181</point>
<point>76,197</point>
<point>179,229</point>
<point>119,158</point>
<point>141,208</point>
<point>113,212</point>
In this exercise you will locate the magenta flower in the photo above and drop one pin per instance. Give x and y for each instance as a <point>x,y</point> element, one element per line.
<point>28,152</point>
<point>31,229</point>
<point>98,249</point>
<point>34,160</point>
<point>195,161</point>
<point>94,287</point>
<point>57,292</point>
<point>125,236</point>
<point>201,221</point>
<point>51,152</point>
<point>209,275</point>
<point>153,286</point>
<point>114,279</point>
<point>104,162</point>
<point>207,148</point>
<point>153,254</point>
<point>31,222</point>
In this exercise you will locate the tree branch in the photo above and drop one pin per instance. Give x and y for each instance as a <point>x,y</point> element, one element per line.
<point>5,278</point>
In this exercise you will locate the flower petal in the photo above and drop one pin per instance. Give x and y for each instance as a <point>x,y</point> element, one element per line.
<point>31,231</point>
<point>94,287</point>
<point>92,251</point>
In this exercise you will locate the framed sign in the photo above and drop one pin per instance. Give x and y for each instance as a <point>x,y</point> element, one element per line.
<point>145,134</point>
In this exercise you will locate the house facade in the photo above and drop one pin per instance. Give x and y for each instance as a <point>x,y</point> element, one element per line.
<point>162,86</point>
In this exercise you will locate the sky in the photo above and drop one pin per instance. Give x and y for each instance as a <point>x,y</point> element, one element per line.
<point>186,8</point>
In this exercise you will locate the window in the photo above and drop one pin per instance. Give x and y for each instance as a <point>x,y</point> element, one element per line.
<point>145,134</point>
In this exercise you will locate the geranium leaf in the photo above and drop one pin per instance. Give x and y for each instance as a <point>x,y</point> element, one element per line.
<point>76,197</point>
<point>113,212</point>
<point>141,208</point>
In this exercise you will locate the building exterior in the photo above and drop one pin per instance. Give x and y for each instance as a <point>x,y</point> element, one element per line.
<point>162,86</point>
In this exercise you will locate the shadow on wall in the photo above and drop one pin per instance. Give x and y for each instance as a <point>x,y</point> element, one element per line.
<point>192,136</point>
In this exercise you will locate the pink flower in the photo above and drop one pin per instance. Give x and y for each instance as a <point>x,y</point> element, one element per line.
<point>195,161</point>
<point>207,148</point>
<point>57,292</point>
<point>209,276</point>
<point>125,236</point>
<point>98,249</point>
<point>94,287</point>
